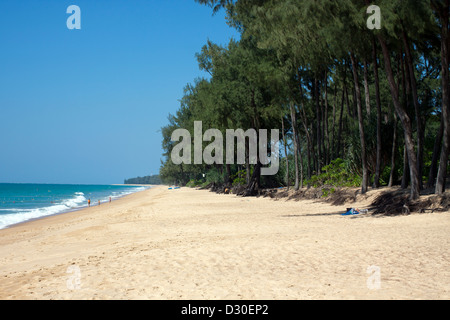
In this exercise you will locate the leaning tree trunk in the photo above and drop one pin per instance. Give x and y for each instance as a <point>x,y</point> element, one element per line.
<point>405,100</point>
<point>443,162</point>
<point>405,177</point>
<point>355,103</point>
<point>365,178</point>
<point>405,120</point>
<point>394,147</point>
<point>413,82</point>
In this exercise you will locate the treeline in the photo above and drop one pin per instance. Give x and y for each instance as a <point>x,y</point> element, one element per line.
<point>366,107</point>
<point>153,179</point>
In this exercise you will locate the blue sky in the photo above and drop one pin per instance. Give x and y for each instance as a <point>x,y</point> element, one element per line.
<point>86,106</point>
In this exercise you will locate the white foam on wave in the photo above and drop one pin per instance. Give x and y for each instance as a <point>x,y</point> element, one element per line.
<point>125,193</point>
<point>21,215</point>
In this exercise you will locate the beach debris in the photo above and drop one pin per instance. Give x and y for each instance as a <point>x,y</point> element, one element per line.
<point>354,211</point>
<point>398,202</point>
<point>406,209</point>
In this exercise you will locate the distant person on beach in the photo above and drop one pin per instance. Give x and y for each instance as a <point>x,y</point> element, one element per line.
<point>109,199</point>
<point>98,202</point>
<point>89,202</point>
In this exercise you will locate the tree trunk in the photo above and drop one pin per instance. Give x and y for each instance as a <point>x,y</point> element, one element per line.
<point>254,185</point>
<point>255,180</point>
<point>355,104</point>
<point>285,152</point>
<point>366,87</point>
<point>436,153</point>
<point>294,137</point>
<point>443,162</point>
<point>405,177</point>
<point>319,125</point>
<point>333,126</point>
<point>349,108</point>
<point>405,100</point>
<point>338,152</point>
<point>394,147</point>
<point>300,159</point>
<point>376,180</point>
<point>365,178</point>
<point>327,133</point>
<point>347,100</point>
<point>404,118</point>
<point>247,163</point>
<point>308,142</point>
<point>228,180</point>
<point>413,82</point>
<point>308,139</point>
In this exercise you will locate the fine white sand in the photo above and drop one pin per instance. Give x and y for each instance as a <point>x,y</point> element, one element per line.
<point>191,244</point>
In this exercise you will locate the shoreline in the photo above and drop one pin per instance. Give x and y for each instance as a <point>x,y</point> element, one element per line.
<point>195,244</point>
<point>81,208</point>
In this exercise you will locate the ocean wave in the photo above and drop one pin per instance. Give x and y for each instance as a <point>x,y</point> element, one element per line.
<point>116,195</point>
<point>21,215</point>
<point>76,201</point>
<point>12,216</point>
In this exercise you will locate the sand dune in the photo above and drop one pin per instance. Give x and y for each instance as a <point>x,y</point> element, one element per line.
<point>191,244</point>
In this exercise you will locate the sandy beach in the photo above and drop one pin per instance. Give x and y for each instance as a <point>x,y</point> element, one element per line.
<point>192,244</point>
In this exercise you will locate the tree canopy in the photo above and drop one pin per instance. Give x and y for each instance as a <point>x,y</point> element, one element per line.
<point>373,101</point>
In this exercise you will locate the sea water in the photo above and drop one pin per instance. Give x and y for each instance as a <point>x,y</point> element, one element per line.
<point>22,202</point>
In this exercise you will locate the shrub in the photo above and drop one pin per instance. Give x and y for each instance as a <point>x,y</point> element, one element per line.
<point>239,179</point>
<point>194,183</point>
<point>335,174</point>
<point>213,175</point>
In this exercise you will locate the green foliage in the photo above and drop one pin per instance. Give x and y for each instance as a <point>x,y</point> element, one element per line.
<point>384,177</point>
<point>240,177</point>
<point>214,175</point>
<point>327,192</point>
<point>239,181</point>
<point>153,179</point>
<point>336,174</point>
<point>286,48</point>
<point>194,183</point>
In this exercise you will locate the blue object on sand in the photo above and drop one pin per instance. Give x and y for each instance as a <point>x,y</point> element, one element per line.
<point>351,212</point>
